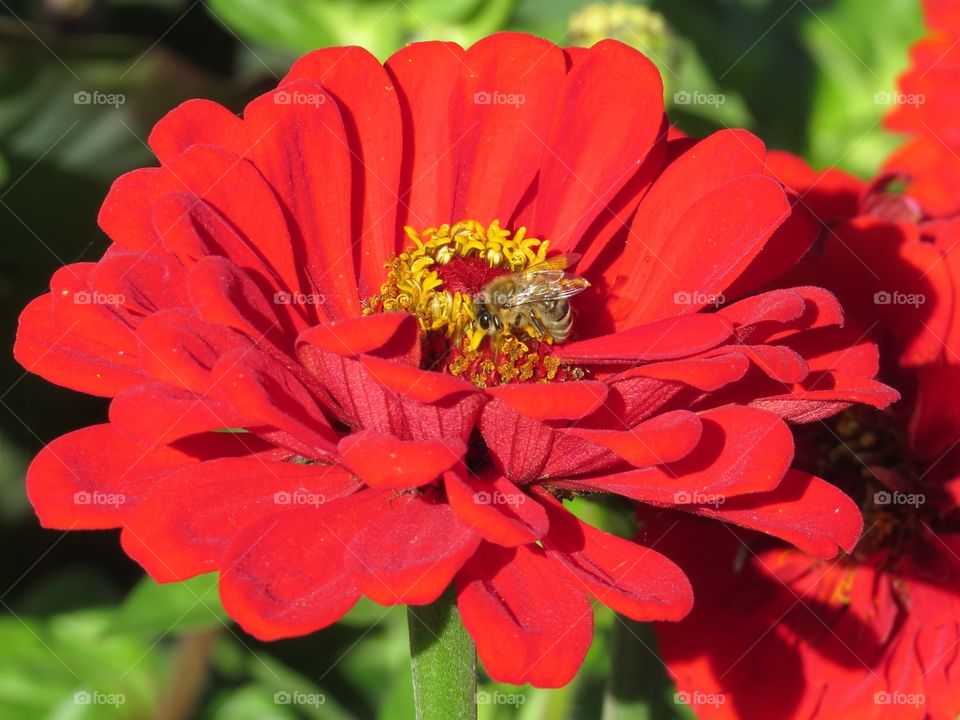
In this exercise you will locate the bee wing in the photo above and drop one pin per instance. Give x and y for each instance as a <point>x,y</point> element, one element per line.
<point>558,262</point>
<point>547,285</point>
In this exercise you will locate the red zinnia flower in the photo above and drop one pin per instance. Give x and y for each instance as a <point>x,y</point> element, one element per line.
<point>780,634</point>
<point>927,109</point>
<point>260,281</point>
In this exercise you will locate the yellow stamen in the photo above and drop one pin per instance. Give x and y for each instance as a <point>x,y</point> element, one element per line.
<point>414,284</point>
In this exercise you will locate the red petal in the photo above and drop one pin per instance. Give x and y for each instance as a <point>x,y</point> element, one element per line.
<point>365,403</point>
<point>545,401</point>
<point>776,361</point>
<point>525,449</point>
<point>500,108</point>
<point>779,306</point>
<point>634,580</point>
<point>93,477</point>
<point>672,337</point>
<point>935,424</point>
<point>173,414</point>
<point>663,439</point>
<point>711,244</point>
<point>705,373</point>
<point>530,624</point>
<point>829,393</point>
<point>709,164</point>
<point>788,244</point>
<point>226,295</point>
<point>180,349</point>
<point>260,388</point>
<point>933,174</point>
<point>420,385</point>
<point>64,352</point>
<point>803,510</point>
<point>831,195</point>
<point>285,575</point>
<point>591,156</point>
<point>498,509</point>
<point>125,214</point>
<point>380,333</point>
<point>292,137</point>
<point>882,271</point>
<point>371,112</point>
<point>232,186</point>
<point>192,229</point>
<point>601,249</point>
<point>184,525</point>
<point>425,74</point>
<point>197,122</point>
<point>742,451</point>
<point>412,553</point>
<point>849,349</point>
<point>142,283</point>
<point>383,461</point>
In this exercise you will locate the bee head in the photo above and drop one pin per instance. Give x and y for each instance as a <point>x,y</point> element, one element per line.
<point>488,321</point>
<point>484,319</point>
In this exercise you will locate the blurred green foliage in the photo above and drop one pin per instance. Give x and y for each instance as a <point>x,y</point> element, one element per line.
<point>80,627</point>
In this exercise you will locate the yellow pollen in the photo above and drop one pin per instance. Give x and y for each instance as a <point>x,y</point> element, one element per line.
<point>515,362</point>
<point>414,284</point>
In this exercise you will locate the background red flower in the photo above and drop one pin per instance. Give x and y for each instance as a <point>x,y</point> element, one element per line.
<point>778,633</point>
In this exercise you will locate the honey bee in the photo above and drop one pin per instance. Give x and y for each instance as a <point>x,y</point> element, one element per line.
<point>532,302</point>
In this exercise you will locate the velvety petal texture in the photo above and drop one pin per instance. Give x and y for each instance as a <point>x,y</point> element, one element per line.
<point>316,392</point>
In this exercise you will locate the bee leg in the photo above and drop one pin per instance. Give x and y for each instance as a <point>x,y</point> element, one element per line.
<point>538,325</point>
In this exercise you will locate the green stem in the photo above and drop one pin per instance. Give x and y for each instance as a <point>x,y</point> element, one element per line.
<point>443,660</point>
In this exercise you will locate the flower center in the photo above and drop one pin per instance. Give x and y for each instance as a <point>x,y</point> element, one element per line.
<point>866,454</point>
<point>458,281</point>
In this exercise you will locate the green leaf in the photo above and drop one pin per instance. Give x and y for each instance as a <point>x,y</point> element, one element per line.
<point>302,25</point>
<point>288,687</point>
<point>250,703</point>
<point>173,607</point>
<point>859,46</point>
<point>381,26</point>
<point>67,668</point>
